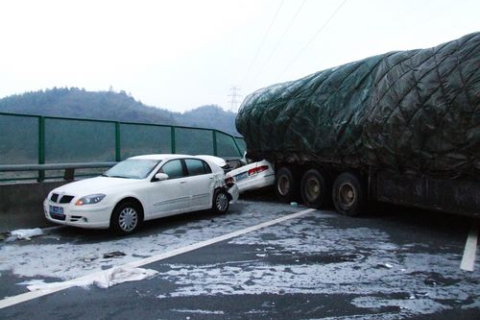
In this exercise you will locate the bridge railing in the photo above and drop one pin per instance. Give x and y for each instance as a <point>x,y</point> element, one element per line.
<point>39,148</point>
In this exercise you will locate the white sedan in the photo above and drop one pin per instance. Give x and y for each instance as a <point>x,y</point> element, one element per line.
<point>141,188</point>
<point>253,176</point>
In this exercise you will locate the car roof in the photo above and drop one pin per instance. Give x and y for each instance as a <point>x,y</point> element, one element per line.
<point>159,156</point>
<point>168,157</point>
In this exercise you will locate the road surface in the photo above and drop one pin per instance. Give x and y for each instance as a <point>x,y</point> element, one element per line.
<point>262,260</point>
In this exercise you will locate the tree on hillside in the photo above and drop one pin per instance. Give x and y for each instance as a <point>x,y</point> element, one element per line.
<point>111,105</point>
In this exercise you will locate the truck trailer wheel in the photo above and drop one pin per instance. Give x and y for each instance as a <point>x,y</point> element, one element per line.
<point>286,186</point>
<point>315,189</point>
<point>349,194</point>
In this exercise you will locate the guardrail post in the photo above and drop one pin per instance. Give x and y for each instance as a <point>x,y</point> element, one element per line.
<point>118,146</point>
<point>215,150</point>
<point>172,139</point>
<point>41,147</point>
<point>238,148</point>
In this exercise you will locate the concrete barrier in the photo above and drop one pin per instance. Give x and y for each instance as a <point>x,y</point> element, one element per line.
<point>21,205</point>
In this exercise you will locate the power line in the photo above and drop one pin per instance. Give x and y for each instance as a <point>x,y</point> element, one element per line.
<point>262,43</point>
<point>313,38</point>
<point>281,38</point>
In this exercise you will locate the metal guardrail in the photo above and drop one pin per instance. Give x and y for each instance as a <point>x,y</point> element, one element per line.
<point>41,143</point>
<point>55,166</point>
<point>69,174</point>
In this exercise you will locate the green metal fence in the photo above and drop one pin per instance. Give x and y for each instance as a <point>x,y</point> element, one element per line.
<point>27,140</point>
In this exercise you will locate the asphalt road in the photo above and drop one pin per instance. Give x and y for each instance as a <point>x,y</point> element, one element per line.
<point>393,263</point>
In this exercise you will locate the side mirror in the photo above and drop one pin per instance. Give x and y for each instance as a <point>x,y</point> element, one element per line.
<point>161,177</point>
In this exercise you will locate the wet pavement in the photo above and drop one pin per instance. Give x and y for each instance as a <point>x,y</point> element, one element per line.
<point>394,263</point>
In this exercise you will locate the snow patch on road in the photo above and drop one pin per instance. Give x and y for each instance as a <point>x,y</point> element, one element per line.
<point>73,260</point>
<point>198,311</point>
<point>309,256</point>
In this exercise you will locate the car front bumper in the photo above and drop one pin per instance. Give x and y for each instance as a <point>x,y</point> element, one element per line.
<point>91,216</point>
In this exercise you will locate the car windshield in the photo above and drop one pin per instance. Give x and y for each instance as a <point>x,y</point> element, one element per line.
<point>132,169</point>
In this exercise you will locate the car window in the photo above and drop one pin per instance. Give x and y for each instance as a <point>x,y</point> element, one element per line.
<point>173,168</point>
<point>197,167</point>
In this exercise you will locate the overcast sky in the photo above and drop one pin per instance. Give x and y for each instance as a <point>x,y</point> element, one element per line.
<point>182,54</point>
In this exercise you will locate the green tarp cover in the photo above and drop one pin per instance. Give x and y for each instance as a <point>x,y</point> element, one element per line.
<point>408,110</point>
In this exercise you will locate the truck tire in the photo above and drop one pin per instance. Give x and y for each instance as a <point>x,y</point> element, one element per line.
<point>286,185</point>
<point>349,194</point>
<point>315,189</point>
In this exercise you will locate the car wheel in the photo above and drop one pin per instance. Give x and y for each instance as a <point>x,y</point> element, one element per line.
<point>315,189</point>
<point>221,202</point>
<point>349,194</point>
<point>286,186</point>
<point>126,218</point>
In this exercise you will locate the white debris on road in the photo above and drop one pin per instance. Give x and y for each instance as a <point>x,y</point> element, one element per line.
<point>102,279</point>
<point>24,234</point>
<point>123,274</point>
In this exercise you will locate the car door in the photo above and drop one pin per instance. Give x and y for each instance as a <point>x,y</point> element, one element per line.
<point>200,183</point>
<point>170,196</point>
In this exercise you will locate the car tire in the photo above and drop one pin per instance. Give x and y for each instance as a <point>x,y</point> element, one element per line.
<point>220,202</point>
<point>126,218</point>
<point>349,194</point>
<point>286,185</point>
<point>315,189</point>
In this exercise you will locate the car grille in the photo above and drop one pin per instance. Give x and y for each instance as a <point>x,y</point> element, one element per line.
<point>57,198</point>
<point>54,197</point>
<point>58,216</point>
<point>66,199</point>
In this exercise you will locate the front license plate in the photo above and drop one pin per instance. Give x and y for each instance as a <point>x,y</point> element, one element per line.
<point>57,213</point>
<point>56,210</point>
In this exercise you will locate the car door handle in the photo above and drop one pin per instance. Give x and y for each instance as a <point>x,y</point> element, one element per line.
<point>183,182</point>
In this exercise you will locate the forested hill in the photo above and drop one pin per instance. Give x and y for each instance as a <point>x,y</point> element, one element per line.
<point>109,105</point>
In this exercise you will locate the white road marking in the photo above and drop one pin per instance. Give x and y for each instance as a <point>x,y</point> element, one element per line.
<point>10,301</point>
<point>470,252</point>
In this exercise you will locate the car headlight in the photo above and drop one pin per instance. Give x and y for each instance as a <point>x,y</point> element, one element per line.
<point>91,199</point>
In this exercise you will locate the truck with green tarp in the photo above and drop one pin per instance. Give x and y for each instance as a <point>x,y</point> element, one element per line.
<point>401,127</point>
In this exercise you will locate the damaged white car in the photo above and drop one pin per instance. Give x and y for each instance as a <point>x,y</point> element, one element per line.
<point>141,188</point>
<point>253,176</point>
